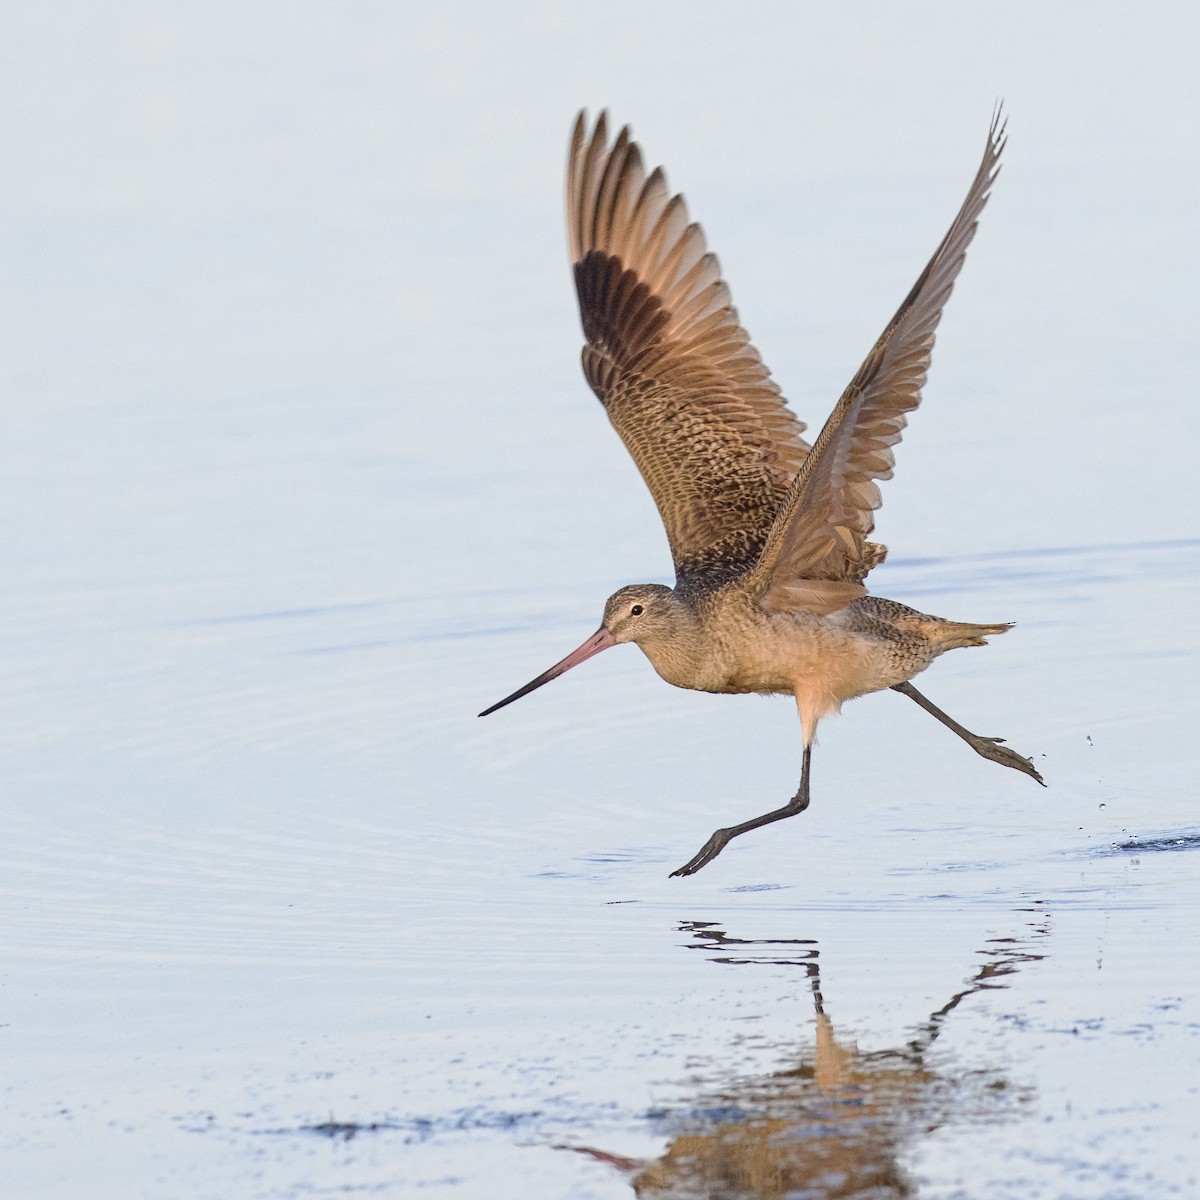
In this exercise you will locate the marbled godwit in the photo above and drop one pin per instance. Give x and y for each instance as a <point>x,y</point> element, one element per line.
<point>769,535</point>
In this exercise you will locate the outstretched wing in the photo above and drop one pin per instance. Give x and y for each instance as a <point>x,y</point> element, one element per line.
<point>820,533</point>
<point>691,398</point>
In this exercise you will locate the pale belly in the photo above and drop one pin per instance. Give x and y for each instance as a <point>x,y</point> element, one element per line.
<point>796,657</point>
<point>821,660</point>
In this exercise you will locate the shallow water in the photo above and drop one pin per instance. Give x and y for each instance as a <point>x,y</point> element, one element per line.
<point>300,475</point>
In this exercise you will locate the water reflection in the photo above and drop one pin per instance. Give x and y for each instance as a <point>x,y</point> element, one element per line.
<point>841,1122</point>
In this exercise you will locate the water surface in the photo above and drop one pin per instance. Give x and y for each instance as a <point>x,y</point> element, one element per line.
<point>299,474</point>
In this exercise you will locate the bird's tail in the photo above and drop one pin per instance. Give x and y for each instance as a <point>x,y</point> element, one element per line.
<point>950,635</point>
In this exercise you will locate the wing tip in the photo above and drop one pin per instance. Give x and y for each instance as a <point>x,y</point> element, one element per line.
<point>997,139</point>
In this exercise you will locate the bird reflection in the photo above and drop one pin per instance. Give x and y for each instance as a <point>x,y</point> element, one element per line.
<point>841,1122</point>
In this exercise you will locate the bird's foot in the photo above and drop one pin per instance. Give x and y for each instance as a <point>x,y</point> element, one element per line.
<point>722,837</point>
<point>995,751</point>
<point>708,852</point>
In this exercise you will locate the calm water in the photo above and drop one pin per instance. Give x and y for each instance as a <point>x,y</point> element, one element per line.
<point>299,474</point>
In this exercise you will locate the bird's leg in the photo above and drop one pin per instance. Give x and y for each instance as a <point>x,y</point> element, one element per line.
<point>991,748</point>
<point>722,837</point>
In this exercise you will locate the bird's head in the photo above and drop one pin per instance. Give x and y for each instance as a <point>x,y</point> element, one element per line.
<point>645,613</point>
<point>642,613</point>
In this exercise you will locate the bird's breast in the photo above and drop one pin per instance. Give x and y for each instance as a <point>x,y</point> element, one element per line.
<point>786,654</point>
<point>765,656</point>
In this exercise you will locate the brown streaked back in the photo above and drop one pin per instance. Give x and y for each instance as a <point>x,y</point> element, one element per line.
<point>689,395</point>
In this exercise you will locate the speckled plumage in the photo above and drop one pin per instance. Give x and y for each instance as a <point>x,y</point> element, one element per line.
<point>769,535</point>
<point>667,357</point>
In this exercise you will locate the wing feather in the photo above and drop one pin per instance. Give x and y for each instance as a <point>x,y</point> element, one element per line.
<point>666,355</point>
<point>821,530</point>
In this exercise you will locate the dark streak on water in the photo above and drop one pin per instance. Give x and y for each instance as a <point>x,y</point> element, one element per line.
<point>1160,844</point>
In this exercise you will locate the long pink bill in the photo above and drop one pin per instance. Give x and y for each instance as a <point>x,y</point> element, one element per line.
<point>600,640</point>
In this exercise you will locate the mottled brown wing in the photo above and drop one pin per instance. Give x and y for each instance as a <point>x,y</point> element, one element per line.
<point>680,381</point>
<point>821,531</point>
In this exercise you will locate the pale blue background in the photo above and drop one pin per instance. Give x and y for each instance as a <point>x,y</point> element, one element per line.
<point>298,473</point>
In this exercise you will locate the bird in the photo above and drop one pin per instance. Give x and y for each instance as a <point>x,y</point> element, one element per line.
<point>769,533</point>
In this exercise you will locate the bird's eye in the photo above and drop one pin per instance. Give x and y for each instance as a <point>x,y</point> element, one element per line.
<point>636,610</point>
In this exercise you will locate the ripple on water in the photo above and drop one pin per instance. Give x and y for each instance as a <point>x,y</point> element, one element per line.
<point>1161,843</point>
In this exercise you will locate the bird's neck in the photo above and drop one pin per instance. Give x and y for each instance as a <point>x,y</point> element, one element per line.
<point>678,655</point>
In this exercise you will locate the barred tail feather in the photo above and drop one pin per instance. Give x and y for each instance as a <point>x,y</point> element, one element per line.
<point>950,635</point>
